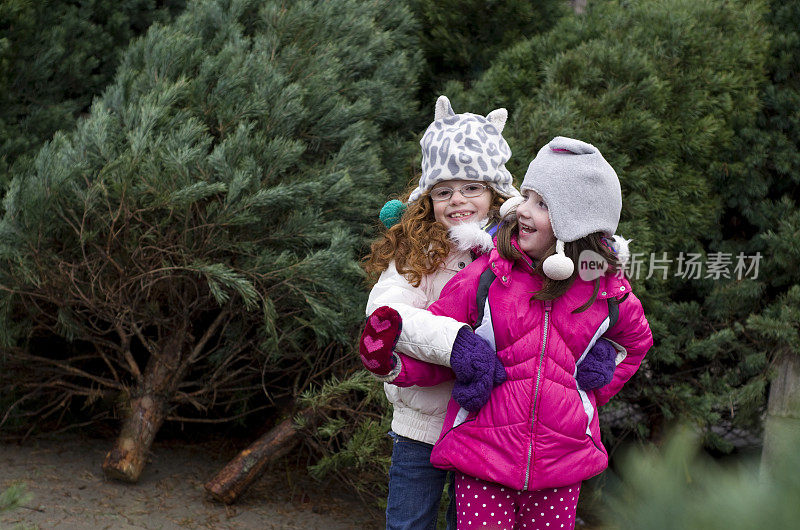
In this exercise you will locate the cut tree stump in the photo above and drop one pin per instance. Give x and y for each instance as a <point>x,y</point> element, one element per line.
<point>148,410</point>
<point>127,458</point>
<point>240,473</point>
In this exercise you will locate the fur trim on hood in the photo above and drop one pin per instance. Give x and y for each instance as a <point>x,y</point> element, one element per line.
<point>472,236</point>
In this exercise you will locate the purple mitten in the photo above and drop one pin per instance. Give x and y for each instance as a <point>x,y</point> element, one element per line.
<point>597,368</point>
<point>477,369</point>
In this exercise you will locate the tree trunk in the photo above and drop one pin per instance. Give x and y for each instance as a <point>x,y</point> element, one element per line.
<point>127,458</point>
<point>240,473</point>
<point>782,425</point>
<point>148,409</point>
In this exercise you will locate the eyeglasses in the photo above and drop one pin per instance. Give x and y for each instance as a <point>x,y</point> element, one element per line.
<point>473,189</point>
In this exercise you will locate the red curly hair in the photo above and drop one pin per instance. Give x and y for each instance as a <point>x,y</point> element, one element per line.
<point>418,244</point>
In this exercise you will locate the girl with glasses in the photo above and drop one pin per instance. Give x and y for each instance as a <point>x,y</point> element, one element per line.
<point>463,184</point>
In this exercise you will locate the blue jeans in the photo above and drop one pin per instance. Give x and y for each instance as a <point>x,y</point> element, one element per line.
<point>415,488</point>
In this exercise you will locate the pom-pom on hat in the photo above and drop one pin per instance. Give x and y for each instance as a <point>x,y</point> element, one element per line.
<point>391,213</point>
<point>582,193</point>
<point>465,147</point>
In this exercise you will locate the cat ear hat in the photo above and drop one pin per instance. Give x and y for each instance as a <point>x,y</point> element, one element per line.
<point>582,194</point>
<point>465,147</point>
<point>459,146</point>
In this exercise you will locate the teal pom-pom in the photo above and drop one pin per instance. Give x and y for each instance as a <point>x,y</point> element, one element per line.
<point>391,213</point>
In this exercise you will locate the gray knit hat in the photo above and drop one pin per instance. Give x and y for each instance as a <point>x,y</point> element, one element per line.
<point>465,147</point>
<point>582,193</point>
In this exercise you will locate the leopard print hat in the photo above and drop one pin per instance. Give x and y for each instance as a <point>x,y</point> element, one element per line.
<point>465,147</point>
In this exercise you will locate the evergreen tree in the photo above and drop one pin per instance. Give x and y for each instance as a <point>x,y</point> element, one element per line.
<point>55,56</point>
<point>195,237</point>
<point>762,201</point>
<point>460,38</point>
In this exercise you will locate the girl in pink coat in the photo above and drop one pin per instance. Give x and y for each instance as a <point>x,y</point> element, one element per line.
<point>521,456</point>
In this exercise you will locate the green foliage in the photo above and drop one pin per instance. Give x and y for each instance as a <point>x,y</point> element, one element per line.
<point>762,193</point>
<point>660,86</point>
<point>460,39</point>
<point>778,326</point>
<point>679,487</point>
<point>351,443</point>
<point>217,195</point>
<point>56,56</point>
<point>14,497</point>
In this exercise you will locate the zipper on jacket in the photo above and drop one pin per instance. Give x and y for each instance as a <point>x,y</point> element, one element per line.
<point>548,304</point>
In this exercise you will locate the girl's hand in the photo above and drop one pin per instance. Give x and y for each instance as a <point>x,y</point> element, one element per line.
<point>597,368</point>
<point>378,340</point>
<point>477,369</point>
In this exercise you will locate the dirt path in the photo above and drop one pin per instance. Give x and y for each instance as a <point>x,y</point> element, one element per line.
<point>70,491</point>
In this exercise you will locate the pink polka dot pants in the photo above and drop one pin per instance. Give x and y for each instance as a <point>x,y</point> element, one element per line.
<point>482,504</point>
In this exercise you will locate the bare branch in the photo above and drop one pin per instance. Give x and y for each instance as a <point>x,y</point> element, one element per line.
<point>71,369</point>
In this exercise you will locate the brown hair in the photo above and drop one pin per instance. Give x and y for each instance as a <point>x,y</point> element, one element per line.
<point>418,244</point>
<point>552,289</point>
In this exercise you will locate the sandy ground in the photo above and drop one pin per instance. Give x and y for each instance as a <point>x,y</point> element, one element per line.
<point>70,491</point>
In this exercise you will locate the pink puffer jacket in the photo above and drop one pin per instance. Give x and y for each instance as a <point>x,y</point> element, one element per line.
<point>538,430</point>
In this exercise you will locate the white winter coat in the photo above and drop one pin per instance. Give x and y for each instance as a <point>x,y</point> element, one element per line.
<point>419,411</point>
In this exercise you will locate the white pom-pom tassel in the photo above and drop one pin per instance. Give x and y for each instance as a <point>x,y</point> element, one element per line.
<point>558,266</point>
<point>510,204</point>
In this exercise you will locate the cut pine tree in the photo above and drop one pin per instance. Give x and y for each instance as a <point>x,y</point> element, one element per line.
<point>189,250</point>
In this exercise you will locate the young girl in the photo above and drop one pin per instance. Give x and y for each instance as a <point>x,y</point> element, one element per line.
<point>464,180</point>
<point>521,458</point>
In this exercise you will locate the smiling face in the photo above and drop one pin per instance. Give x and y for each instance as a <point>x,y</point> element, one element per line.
<point>459,209</point>
<point>535,233</point>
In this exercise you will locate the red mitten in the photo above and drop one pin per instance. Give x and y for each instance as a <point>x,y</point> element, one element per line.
<point>378,340</point>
